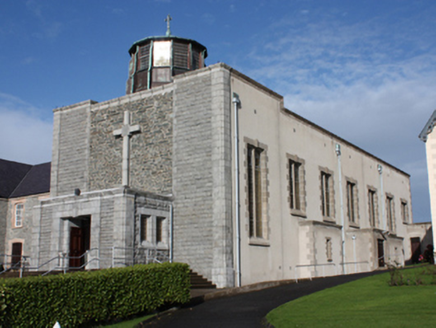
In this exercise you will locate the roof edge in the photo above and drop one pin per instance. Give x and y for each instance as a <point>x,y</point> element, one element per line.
<point>428,128</point>
<point>163,38</point>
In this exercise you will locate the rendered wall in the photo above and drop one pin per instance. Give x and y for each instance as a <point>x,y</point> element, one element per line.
<point>430,147</point>
<point>295,240</point>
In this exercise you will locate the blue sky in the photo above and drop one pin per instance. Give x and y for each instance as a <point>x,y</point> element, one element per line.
<point>365,70</point>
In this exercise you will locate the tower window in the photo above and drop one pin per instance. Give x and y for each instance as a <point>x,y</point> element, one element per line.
<point>162,53</point>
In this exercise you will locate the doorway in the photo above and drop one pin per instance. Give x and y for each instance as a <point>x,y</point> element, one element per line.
<point>416,249</point>
<point>381,253</point>
<point>17,251</point>
<point>79,241</point>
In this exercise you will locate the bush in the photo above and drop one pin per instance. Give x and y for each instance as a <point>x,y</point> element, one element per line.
<point>77,298</point>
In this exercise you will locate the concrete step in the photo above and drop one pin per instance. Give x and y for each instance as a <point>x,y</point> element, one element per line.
<point>199,282</point>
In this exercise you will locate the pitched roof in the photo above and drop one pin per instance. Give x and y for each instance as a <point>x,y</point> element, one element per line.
<point>19,179</point>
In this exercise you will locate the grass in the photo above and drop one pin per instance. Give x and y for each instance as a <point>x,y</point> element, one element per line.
<point>366,302</point>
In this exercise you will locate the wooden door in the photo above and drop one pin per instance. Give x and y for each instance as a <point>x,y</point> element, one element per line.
<point>17,249</point>
<point>416,249</point>
<point>76,247</point>
<point>381,253</point>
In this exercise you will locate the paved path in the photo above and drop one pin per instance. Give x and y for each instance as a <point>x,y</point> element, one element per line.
<point>248,309</point>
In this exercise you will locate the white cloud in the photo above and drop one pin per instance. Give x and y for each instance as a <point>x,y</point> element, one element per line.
<point>26,135</point>
<point>371,87</point>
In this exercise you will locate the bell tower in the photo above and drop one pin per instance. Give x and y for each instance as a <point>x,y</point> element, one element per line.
<point>155,60</point>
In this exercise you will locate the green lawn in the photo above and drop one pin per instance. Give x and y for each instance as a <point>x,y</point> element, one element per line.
<point>364,303</point>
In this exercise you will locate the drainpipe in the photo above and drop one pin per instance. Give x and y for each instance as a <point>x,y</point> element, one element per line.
<point>171,233</point>
<point>338,153</point>
<point>236,103</point>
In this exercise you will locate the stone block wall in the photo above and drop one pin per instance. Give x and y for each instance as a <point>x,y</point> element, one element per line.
<point>69,167</point>
<point>150,150</point>
<point>3,218</point>
<point>202,174</point>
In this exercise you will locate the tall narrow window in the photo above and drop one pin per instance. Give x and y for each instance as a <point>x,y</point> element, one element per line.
<point>404,211</point>
<point>254,177</point>
<point>144,57</point>
<point>294,184</point>
<point>390,212</point>
<point>326,194</point>
<point>159,228</point>
<point>19,208</point>
<point>328,246</point>
<point>351,202</point>
<point>372,198</point>
<point>145,219</point>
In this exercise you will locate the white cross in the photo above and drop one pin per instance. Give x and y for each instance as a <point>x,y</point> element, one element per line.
<point>125,132</point>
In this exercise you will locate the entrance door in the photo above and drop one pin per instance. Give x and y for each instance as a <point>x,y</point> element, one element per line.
<point>416,249</point>
<point>381,253</point>
<point>79,244</point>
<point>17,249</point>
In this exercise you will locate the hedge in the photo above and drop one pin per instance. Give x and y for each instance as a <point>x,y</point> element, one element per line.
<point>82,297</point>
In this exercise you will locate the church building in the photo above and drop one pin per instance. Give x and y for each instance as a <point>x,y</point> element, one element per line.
<point>203,165</point>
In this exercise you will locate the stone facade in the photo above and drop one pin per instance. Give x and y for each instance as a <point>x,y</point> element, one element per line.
<point>3,222</point>
<point>202,174</point>
<point>181,200</point>
<point>151,149</point>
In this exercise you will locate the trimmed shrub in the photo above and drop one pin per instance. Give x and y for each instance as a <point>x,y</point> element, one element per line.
<point>76,298</point>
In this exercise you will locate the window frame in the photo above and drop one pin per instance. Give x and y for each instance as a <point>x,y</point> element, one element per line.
<point>18,223</point>
<point>352,202</point>
<point>404,210</point>
<point>390,212</point>
<point>327,195</point>
<point>145,220</point>
<point>329,249</point>
<point>372,207</point>
<point>295,168</point>
<point>149,238</point>
<point>256,189</point>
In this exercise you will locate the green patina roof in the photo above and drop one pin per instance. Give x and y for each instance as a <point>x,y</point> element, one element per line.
<point>165,38</point>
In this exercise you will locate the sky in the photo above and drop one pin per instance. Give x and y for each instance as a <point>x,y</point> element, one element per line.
<point>364,70</point>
